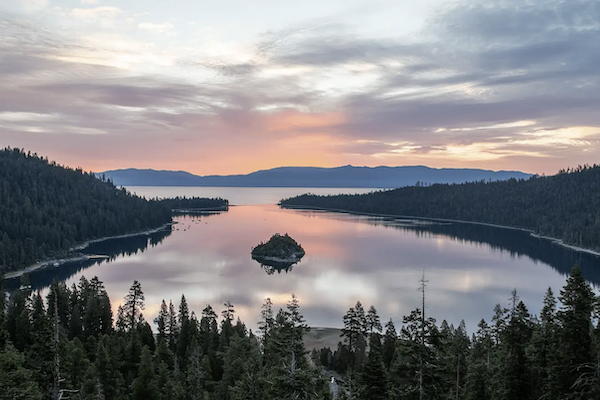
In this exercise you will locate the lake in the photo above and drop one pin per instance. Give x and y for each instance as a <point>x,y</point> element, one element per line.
<point>378,261</point>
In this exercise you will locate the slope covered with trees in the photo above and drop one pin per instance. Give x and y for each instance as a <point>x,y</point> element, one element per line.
<point>68,343</point>
<point>564,206</point>
<point>45,209</point>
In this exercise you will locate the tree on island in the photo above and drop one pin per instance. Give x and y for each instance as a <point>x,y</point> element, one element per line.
<point>279,253</point>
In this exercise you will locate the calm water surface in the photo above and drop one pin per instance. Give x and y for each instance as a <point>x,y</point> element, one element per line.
<point>378,261</point>
<point>239,196</point>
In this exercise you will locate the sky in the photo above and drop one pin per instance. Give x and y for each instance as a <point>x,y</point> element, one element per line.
<point>236,86</point>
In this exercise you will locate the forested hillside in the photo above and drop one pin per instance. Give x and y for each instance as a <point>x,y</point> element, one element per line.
<point>68,343</point>
<point>46,208</point>
<point>564,206</point>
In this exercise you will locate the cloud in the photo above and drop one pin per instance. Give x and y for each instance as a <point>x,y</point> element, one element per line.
<point>158,28</point>
<point>96,12</point>
<point>485,84</point>
<point>26,6</point>
<point>90,2</point>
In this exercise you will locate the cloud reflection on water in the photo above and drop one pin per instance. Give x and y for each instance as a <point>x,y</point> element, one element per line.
<point>348,258</point>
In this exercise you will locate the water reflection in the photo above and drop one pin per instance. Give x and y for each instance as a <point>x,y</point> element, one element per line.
<point>271,266</point>
<point>111,248</point>
<point>515,242</point>
<point>378,261</point>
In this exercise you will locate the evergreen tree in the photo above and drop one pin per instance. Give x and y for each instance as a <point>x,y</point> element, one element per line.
<point>97,316</point>
<point>74,364</point>
<point>173,328</point>
<point>373,376</point>
<point>210,343</point>
<point>144,386</point>
<point>575,351</point>
<point>169,387</point>
<point>542,352</point>
<point>59,296</point>
<point>75,312</point>
<point>3,330</point>
<point>18,318</point>
<point>228,315</point>
<point>40,354</point>
<point>107,377</point>
<point>372,322</point>
<point>414,364</point>
<point>250,384</point>
<point>194,383</point>
<point>16,381</point>
<point>266,323</point>
<point>478,377</point>
<point>354,332</point>
<point>389,343</point>
<point>162,322</point>
<point>133,306</point>
<point>513,382</point>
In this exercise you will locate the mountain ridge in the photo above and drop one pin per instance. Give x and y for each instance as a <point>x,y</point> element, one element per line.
<point>342,176</point>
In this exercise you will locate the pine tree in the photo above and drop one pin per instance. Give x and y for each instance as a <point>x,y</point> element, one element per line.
<point>389,343</point>
<point>97,317</point>
<point>298,328</point>
<point>373,376</point>
<point>372,322</point>
<point>74,363</point>
<point>226,325</point>
<point>144,386</point>
<point>107,375</point>
<point>133,306</point>
<point>542,352</point>
<point>75,312</point>
<point>575,351</point>
<point>173,328</point>
<point>169,386</point>
<point>477,384</point>
<point>210,340</point>
<point>354,332</point>
<point>3,330</point>
<point>414,353</point>
<point>266,323</point>
<point>514,366</point>
<point>59,295</point>
<point>162,322</point>
<point>18,319</point>
<point>41,352</point>
<point>16,381</point>
<point>194,386</point>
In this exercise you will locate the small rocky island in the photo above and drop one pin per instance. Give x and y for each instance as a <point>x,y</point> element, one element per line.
<point>281,252</point>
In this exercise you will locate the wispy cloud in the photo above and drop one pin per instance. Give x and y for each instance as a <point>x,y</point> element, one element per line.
<point>27,6</point>
<point>96,12</point>
<point>158,28</point>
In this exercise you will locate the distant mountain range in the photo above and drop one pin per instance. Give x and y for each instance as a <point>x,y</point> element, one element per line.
<point>346,177</point>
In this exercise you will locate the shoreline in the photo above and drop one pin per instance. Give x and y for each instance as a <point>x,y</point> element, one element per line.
<point>57,262</point>
<point>180,211</point>
<point>291,259</point>
<point>557,241</point>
